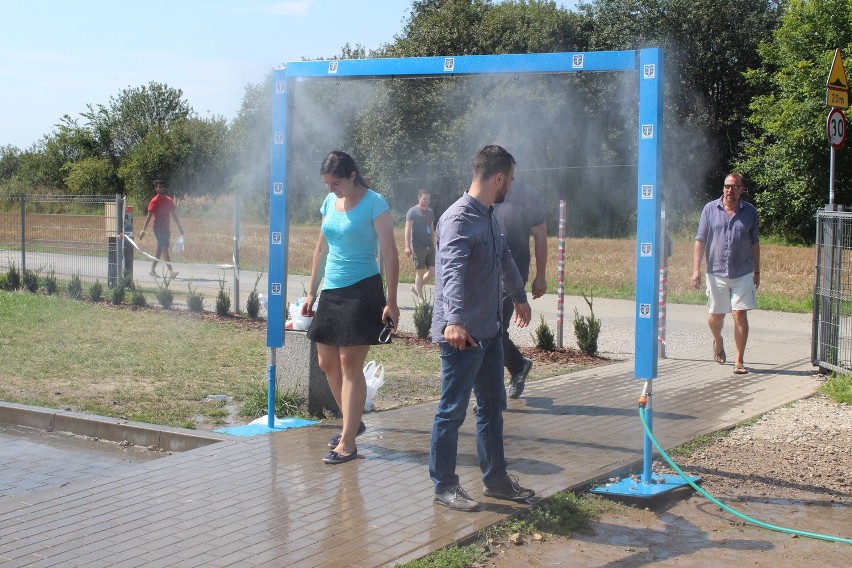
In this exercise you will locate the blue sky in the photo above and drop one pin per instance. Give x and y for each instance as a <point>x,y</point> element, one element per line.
<point>57,56</point>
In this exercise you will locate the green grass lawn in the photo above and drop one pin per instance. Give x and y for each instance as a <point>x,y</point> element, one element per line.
<point>157,366</point>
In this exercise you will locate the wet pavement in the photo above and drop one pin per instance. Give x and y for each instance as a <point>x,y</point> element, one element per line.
<point>33,459</point>
<point>270,501</point>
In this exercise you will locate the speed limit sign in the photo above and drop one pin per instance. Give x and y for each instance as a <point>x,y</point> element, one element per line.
<point>836,128</point>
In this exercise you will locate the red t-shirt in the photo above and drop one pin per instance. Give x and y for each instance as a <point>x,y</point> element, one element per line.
<point>161,207</point>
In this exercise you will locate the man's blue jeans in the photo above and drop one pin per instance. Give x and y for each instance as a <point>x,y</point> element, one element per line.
<point>477,369</point>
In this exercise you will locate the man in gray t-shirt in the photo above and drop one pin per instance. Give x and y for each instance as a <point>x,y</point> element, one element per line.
<point>520,215</point>
<point>420,241</point>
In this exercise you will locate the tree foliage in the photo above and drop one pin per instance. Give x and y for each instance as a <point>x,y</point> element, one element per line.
<point>744,89</point>
<point>708,44</point>
<point>786,155</point>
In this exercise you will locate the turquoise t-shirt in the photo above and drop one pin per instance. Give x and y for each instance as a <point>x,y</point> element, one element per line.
<point>352,240</point>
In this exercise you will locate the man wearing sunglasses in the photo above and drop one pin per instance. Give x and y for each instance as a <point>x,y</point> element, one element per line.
<point>728,240</point>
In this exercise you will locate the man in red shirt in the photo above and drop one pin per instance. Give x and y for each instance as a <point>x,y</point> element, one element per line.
<point>161,208</point>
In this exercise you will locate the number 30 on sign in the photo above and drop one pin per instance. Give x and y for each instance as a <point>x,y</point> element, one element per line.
<point>836,128</point>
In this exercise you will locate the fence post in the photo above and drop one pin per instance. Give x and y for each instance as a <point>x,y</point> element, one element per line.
<point>236,253</point>
<point>560,275</point>
<point>119,239</point>
<point>23,233</point>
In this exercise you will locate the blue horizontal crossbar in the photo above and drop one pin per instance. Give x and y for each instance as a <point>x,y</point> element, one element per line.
<point>466,64</point>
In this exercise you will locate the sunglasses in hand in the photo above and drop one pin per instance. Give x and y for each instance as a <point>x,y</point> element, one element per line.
<point>385,334</point>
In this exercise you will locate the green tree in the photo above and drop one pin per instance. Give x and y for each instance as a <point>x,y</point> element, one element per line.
<point>248,147</point>
<point>124,122</point>
<point>10,162</point>
<point>787,156</point>
<point>708,45</point>
<point>190,156</point>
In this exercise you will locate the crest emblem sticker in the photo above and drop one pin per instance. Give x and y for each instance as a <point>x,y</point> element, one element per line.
<point>647,191</point>
<point>644,310</point>
<point>275,288</point>
<point>577,61</point>
<point>647,131</point>
<point>449,64</point>
<point>332,67</point>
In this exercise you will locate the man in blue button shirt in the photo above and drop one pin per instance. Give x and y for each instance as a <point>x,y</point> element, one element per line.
<point>728,240</point>
<point>472,265</point>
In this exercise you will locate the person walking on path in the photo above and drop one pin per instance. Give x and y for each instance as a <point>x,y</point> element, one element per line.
<point>520,215</point>
<point>162,209</point>
<point>728,241</point>
<point>352,313</point>
<point>473,264</point>
<point>420,242</point>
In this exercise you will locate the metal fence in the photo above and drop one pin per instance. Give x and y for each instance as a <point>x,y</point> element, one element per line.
<point>831,344</point>
<point>63,234</point>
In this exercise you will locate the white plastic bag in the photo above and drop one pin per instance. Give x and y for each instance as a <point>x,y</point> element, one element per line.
<point>374,373</point>
<point>299,321</point>
<point>179,245</point>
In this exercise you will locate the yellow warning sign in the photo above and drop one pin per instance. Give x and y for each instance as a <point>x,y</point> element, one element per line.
<point>837,86</point>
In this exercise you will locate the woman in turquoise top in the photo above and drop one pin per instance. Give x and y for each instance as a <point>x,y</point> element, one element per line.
<point>352,309</point>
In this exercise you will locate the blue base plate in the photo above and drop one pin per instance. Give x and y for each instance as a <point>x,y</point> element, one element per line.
<point>629,487</point>
<point>261,426</point>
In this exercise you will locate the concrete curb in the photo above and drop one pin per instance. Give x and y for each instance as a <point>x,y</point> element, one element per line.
<point>111,429</point>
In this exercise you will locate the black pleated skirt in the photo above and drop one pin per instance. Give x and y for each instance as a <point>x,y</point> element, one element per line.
<point>350,315</point>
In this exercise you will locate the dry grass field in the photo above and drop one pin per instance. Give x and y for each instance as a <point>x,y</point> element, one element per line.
<point>604,267</point>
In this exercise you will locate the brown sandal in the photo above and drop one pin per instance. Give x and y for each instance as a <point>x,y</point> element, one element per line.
<point>740,370</point>
<point>719,356</point>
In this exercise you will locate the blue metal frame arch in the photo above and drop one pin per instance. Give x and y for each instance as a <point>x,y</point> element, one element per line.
<point>647,62</point>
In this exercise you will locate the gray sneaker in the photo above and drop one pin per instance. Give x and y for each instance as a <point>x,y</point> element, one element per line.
<point>518,380</point>
<point>508,488</point>
<point>456,498</point>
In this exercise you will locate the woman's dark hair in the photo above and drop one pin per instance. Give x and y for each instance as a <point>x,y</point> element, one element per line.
<point>340,164</point>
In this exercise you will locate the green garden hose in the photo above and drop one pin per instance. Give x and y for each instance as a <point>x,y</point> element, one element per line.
<point>730,510</point>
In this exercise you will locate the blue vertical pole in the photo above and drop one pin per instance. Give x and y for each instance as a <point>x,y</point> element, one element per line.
<point>649,245</point>
<point>277,279</point>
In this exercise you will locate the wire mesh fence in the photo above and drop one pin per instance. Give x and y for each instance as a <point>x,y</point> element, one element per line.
<point>76,235</point>
<point>62,234</point>
<point>832,321</point>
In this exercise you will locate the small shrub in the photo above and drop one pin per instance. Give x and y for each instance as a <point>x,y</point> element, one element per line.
<point>30,281</point>
<point>137,297</point>
<point>253,301</point>
<point>50,284</point>
<point>164,295</point>
<point>96,291</point>
<point>544,336</point>
<point>587,329</point>
<point>195,299</point>
<point>423,317</point>
<point>75,287</point>
<point>14,278</point>
<point>223,299</point>
<point>4,282</point>
<point>118,291</point>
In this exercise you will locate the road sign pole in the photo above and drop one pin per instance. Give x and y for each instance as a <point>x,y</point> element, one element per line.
<point>831,177</point>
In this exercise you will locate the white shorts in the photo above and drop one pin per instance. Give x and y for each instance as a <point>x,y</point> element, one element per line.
<point>726,294</point>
